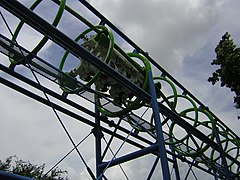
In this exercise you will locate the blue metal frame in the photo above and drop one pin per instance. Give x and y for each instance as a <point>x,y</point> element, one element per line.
<point>158,126</point>
<point>10,176</point>
<point>158,149</point>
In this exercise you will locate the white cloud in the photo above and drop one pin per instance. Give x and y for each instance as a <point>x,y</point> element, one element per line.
<point>168,30</point>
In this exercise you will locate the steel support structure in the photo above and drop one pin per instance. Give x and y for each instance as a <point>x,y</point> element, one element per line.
<point>152,149</point>
<point>98,137</point>
<point>158,126</point>
<point>9,176</point>
<point>156,147</point>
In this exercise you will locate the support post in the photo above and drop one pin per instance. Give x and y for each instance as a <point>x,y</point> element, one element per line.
<point>175,164</point>
<point>10,176</point>
<point>222,153</point>
<point>98,136</point>
<point>158,126</point>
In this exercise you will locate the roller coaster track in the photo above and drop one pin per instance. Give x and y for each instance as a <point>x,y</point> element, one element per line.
<point>162,118</point>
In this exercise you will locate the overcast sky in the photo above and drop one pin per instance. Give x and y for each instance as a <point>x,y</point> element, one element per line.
<point>180,35</point>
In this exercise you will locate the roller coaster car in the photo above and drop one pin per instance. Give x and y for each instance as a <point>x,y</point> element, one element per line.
<point>98,45</point>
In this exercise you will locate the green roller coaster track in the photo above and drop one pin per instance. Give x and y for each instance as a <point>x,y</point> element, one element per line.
<point>99,40</point>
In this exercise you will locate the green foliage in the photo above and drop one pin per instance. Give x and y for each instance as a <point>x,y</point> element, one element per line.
<point>228,58</point>
<point>25,168</point>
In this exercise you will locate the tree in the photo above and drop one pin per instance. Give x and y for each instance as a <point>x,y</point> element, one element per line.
<point>27,169</point>
<point>228,58</point>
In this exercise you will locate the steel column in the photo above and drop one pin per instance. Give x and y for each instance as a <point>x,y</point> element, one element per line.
<point>98,137</point>
<point>222,153</point>
<point>175,164</point>
<point>158,127</point>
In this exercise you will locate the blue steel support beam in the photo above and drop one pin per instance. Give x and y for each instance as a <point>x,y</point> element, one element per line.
<point>175,164</point>
<point>222,153</point>
<point>151,149</point>
<point>153,168</point>
<point>98,137</point>
<point>10,176</point>
<point>158,127</point>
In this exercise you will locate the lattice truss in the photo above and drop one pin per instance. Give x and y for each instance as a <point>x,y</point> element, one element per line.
<point>101,68</point>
